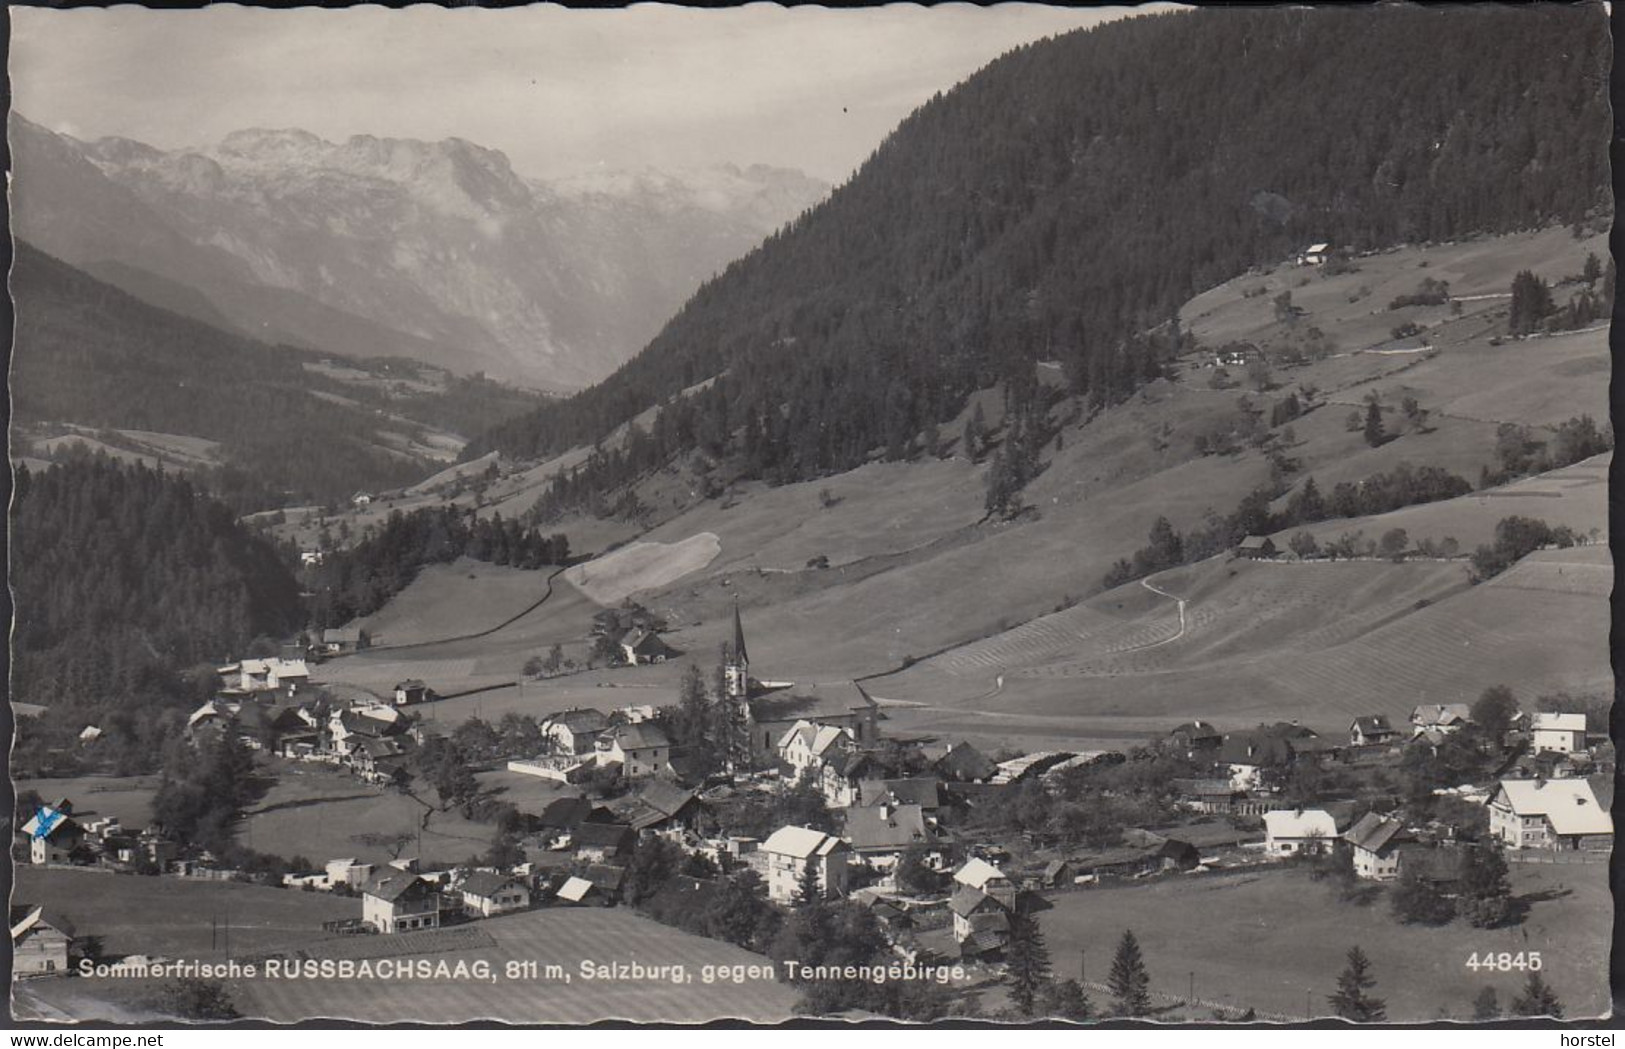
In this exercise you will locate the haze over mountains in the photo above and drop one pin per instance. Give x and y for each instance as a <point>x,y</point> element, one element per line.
<point>375,247</point>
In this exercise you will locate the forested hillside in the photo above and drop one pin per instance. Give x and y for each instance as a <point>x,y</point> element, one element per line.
<point>1068,197</point>
<point>123,578</point>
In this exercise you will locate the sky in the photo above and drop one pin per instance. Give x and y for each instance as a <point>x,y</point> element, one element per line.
<point>560,91</point>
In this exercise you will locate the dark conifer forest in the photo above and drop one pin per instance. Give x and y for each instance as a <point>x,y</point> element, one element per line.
<point>124,578</point>
<point>1065,201</point>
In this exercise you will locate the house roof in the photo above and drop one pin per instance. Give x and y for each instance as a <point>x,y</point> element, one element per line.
<point>606,876</point>
<point>1300,823</point>
<point>1557,722</point>
<point>801,842</point>
<point>1371,723</point>
<point>887,827</point>
<point>485,883</point>
<point>1373,832</point>
<point>640,736</point>
<point>811,701</point>
<point>966,764</point>
<point>667,798</point>
<point>602,835</point>
<point>1256,542</point>
<point>54,818</point>
<point>411,684</point>
<point>1194,730</point>
<point>967,900</point>
<point>392,884</point>
<point>564,813</point>
<point>921,791</point>
<point>1441,714</point>
<point>339,634</point>
<point>575,889</point>
<point>583,719</point>
<point>977,873</point>
<point>1569,805</point>
<point>739,654</point>
<point>25,918</point>
<point>1316,249</point>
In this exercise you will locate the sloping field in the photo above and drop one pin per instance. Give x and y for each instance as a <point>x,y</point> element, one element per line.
<point>1576,496</point>
<point>1267,940</point>
<point>642,566</point>
<point>557,936</point>
<point>127,797</point>
<point>454,599</point>
<point>173,916</point>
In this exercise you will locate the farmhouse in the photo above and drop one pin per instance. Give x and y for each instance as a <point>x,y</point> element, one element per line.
<point>1375,841</point>
<point>39,946</point>
<point>983,876</point>
<point>400,901</point>
<point>342,640</point>
<point>641,749</point>
<point>1207,795</point>
<point>963,763</point>
<point>879,834</point>
<point>841,778</point>
<point>53,834</point>
<point>270,675</point>
<point>412,691</point>
<point>1256,547</point>
<point>1293,832</point>
<point>573,731</point>
<point>1442,718</point>
<point>981,922</point>
<point>643,645</point>
<point>485,894</point>
<point>1371,730</point>
<point>1314,255</point>
<point>919,790</point>
<point>1196,739</point>
<point>1549,814</point>
<point>603,842</point>
<point>563,815</point>
<point>661,806</point>
<point>361,500</point>
<point>1253,756</point>
<point>787,854</point>
<point>1562,733</point>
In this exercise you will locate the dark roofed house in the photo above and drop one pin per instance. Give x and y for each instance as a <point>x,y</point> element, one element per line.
<point>341,640</point>
<point>400,901</point>
<point>965,764</point>
<point>922,791</point>
<point>564,815</point>
<point>602,842</point>
<point>1375,841</point>
<point>1371,730</point>
<point>606,878</point>
<point>1196,738</point>
<point>641,749</point>
<point>839,704</point>
<point>1256,547</point>
<point>412,691</point>
<point>1177,855</point>
<point>879,834</point>
<point>1207,795</point>
<point>661,806</point>
<point>642,645</point>
<point>573,731</point>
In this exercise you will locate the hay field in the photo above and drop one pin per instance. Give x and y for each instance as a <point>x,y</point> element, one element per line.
<point>642,566</point>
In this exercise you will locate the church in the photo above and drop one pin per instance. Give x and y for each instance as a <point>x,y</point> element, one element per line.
<point>772,710</point>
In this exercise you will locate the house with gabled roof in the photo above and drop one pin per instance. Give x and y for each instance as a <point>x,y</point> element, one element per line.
<point>880,834</point>
<point>661,806</point>
<point>1371,730</point>
<point>923,791</point>
<point>1560,733</point>
<point>1549,814</point>
<point>411,692</point>
<point>342,640</point>
<point>602,842</point>
<point>643,645</point>
<point>641,749</point>
<point>1443,718</point>
<point>574,731</point>
<point>963,763</point>
<point>1375,841</point>
<point>841,777</point>
<point>788,852</point>
<point>807,745</point>
<point>53,834</point>
<point>485,893</point>
<point>979,874</point>
<point>40,943</point>
<point>400,901</point>
<point>1256,547</point>
<point>1297,832</point>
<point>1196,739</point>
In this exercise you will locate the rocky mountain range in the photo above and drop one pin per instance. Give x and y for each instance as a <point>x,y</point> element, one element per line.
<point>434,250</point>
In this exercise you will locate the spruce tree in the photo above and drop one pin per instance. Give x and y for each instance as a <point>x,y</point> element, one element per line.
<point>1374,432</point>
<point>809,891</point>
<point>1352,1000</point>
<point>1537,999</point>
<point>1129,982</point>
<point>1486,892</point>
<point>1026,961</point>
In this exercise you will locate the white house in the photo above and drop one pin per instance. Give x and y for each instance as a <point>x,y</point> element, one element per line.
<point>348,871</point>
<point>808,745</point>
<point>1548,814</point>
<point>400,901</point>
<point>983,876</point>
<point>1375,841</point>
<point>265,675</point>
<point>641,750</point>
<point>39,946</point>
<point>1290,832</point>
<point>485,894</point>
<point>1563,733</point>
<point>1442,718</point>
<point>53,834</point>
<point>789,851</point>
<point>573,731</point>
<point>981,922</point>
<point>1314,254</point>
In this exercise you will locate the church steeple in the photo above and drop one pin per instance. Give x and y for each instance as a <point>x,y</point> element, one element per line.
<point>736,673</point>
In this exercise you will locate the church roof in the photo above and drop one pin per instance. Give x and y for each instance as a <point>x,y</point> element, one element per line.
<point>811,701</point>
<point>739,637</point>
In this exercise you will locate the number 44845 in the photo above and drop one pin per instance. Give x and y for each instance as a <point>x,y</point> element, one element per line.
<point>1504,962</point>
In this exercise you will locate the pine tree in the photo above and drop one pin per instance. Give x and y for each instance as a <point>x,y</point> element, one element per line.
<point>1129,982</point>
<point>1374,432</point>
<point>1531,303</point>
<point>1486,892</point>
<point>1026,961</point>
<point>809,890</point>
<point>1352,1002</point>
<point>1537,999</point>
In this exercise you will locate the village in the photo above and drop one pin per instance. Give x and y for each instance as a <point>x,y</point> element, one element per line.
<point>811,798</point>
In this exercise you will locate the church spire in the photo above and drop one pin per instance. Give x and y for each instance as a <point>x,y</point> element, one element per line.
<point>739,637</point>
